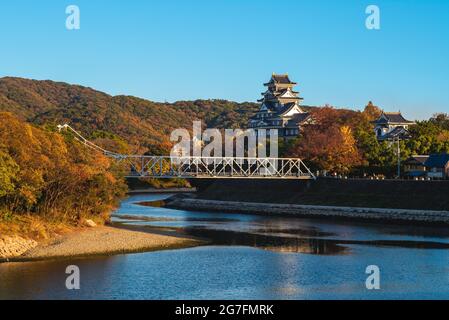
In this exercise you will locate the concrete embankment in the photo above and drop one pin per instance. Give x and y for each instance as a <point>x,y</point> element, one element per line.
<point>312,211</point>
<point>397,194</point>
<point>374,200</point>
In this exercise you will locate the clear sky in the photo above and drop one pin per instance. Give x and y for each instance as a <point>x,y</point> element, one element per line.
<point>191,49</point>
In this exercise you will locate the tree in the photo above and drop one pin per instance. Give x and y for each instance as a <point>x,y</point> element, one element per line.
<point>58,176</point>
<point>441,120</point>
<point>8,173</point>
<point>327,144</point>
<point>371,112</point>
<point>429,136</point>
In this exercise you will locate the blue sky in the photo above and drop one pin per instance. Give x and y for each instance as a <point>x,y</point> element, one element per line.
<point>191,49</point>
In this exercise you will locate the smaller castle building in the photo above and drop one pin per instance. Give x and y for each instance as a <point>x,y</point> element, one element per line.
<point>392,126</point>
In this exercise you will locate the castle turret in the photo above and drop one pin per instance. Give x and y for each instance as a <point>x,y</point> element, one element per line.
<point>391,126</point>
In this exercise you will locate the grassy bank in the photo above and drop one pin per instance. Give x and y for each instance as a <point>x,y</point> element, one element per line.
<point>42,228</point>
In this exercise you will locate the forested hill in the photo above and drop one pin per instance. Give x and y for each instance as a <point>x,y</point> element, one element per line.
<point>125,121</point>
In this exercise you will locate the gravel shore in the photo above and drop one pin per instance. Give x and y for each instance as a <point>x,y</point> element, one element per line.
<point>103,240</point>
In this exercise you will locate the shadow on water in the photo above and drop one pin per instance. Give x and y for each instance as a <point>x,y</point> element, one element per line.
<point>263,241</point>
<point>419,231</point>
<point>146,218</point>
<point>238,238</point>
<point>310,232</point>
<point>318,246</point>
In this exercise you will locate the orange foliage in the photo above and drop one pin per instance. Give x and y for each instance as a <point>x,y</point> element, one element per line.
<point>55,176</point>
<point>328,144</point>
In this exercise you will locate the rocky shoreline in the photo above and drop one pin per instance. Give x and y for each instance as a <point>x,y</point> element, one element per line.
<point>14,246</point>
<point>312,211</point>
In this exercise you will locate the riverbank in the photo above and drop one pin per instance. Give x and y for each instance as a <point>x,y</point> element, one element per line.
<point>101,240</point>
<point>312,211</point>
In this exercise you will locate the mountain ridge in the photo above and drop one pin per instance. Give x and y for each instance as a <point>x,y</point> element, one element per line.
<point>143,124</point>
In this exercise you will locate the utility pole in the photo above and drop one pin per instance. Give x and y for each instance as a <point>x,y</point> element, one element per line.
<point>399,159</point>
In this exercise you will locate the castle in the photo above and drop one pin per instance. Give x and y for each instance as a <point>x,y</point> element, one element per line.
<point>280,108</point>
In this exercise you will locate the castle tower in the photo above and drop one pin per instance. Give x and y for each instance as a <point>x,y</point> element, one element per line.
<point>280,108</point>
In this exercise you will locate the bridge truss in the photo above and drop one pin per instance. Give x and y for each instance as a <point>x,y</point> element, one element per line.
<point>215,167</point>
<point>145,166</point>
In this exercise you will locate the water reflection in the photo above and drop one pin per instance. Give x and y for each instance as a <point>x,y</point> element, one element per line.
<point>268,242</point>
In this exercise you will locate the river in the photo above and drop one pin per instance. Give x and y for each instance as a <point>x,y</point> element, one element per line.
<point>249,257</point>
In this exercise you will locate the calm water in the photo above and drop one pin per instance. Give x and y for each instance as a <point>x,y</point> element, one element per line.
<point>249,257</point>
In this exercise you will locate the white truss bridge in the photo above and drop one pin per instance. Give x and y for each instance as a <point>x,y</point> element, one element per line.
<point>146,166</point>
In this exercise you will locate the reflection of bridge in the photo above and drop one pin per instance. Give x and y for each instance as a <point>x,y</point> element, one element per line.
<point>143,166</point>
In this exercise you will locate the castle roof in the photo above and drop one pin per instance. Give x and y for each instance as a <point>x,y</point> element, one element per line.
<point>392,117</point>
<point>298,118</point>
<point>279,79</point>
<point>285,108</point>
<point>280,92</point>
<point>270,105</point>
<point>398,132</point>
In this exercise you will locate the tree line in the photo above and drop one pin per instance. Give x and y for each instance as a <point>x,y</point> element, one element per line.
<point>51,175</point>
<point>343,142</point>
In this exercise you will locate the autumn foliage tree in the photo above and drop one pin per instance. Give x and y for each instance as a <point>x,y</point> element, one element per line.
<point>328,144</point>
<point>8,172</point>
<point>47,174</point>
<point>371,112</point>
<point>343,141</point>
